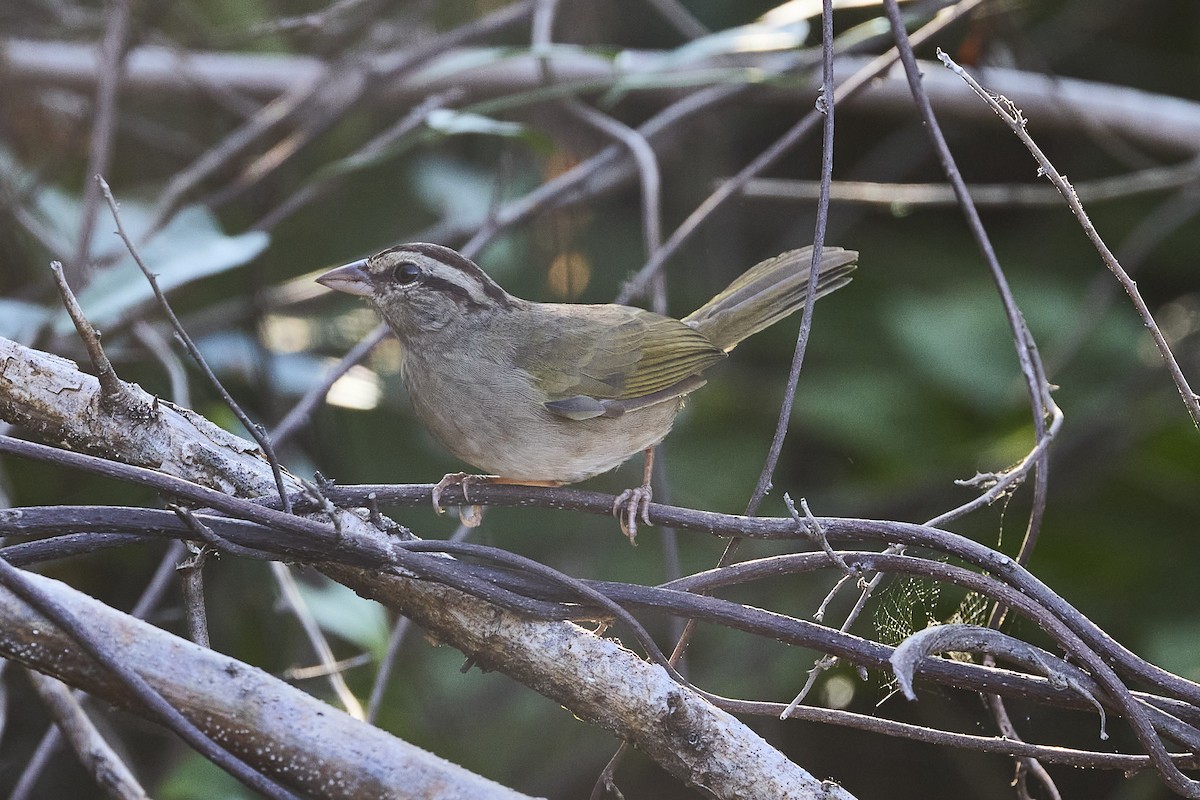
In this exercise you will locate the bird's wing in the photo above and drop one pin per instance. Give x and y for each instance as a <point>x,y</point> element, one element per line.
<point>613,359</point>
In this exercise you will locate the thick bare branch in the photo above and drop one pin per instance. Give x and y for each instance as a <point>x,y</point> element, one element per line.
<point>282,731</point>
<point>691,738</point>
<point>1056,100</point>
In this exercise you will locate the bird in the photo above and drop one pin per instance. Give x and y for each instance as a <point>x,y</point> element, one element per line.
<point>555,393</point>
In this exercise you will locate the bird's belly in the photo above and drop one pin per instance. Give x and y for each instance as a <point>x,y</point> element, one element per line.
<point>567,451</point>
<point>504,430</point>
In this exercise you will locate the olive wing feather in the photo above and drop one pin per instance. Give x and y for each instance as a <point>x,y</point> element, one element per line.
<point>613,359</point>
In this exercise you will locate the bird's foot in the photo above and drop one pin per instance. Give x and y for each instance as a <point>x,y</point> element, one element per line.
<point>630,506</point>
<point>469,515</point>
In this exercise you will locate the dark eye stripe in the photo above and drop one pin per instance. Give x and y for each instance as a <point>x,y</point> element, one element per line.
<point>458,293</point>
<point>463,264</point>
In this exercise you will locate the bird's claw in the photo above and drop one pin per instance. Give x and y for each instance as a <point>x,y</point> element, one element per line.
<point>631,505</point>
<point>451,479</point>
<point>470,515</point>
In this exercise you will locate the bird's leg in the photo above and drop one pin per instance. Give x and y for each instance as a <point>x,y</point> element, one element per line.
<point>472,515</point>
<point>634,503</point>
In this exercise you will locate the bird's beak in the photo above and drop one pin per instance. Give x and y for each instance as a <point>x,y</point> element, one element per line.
<point>352,279</point>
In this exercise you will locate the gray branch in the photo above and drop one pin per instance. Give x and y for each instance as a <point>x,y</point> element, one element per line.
<point>595,678</point>
<point>1056,101</point>
<point>285,733</point>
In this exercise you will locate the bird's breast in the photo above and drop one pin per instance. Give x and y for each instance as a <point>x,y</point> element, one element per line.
<point>492,417</point>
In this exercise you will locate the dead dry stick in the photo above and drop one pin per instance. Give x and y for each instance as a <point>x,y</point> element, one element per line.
<point>255,430</point>
<point>104,122</point>
<point>1008,111</point>
<point>999,195</point>
<point>320,645</point>
<point>104,652</point>
<point>192,570</point>
<point>112,390</point>
<point>810,527</point>
<point>94,753</point>
<point>977,639</point>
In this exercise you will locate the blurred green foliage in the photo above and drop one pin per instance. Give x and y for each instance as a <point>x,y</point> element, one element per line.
<point>910,380</point>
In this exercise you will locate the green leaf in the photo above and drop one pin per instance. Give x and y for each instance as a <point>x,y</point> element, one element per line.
<point>236,353</point>
<point>959,342</point>
<point>458,192</point>
<point>344,614</point>
<point>448,121</point>
<point>189,248</point>
<point>782,28</point>
<point>20,320</point>
<point>194,777</point>
<point>471,59</point>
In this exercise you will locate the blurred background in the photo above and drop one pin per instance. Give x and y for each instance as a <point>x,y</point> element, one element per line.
<point>910,380</point>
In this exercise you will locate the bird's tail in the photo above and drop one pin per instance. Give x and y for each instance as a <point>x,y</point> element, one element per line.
<point>768,292</point>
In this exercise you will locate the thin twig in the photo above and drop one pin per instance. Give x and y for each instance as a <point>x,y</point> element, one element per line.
<point>395,641</point>
<point>1009,112</point>
<point>1025,765</point>
<point>195,609</point>
<point>369,154</point>
<point>1156,225</point>
<point>1000,195</point>
<point>104,124</point>
<point>387,665</point>
<point>353,78</point>
<point>809,525</point>
<point>606,785</point>
<point>192,570</point>
<point>599,172</point>
<point>1027,353</point>
<point>819,614</point>
<point>323,670</point>
<point>151,596</point>
<point>112,389</point>
<point>649,176</point>
<point>853,86</point>
<point>303,409</point>
<point>321,535</point>
<point>1088,759</point>
<point>217,157</point>
<point>255,430</point>
<point>316,638</point>
<point>826,103</point>
<point>680,18</point>
<point>334,19</point>
<point>153,341</point>
<point>96,755</point>
<point>36,765</point>
<point>106,655</point>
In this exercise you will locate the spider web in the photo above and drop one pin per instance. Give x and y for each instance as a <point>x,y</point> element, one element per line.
<point>906,605</point>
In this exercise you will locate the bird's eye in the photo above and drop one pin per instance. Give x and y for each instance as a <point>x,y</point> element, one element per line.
<point>405,272</point>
